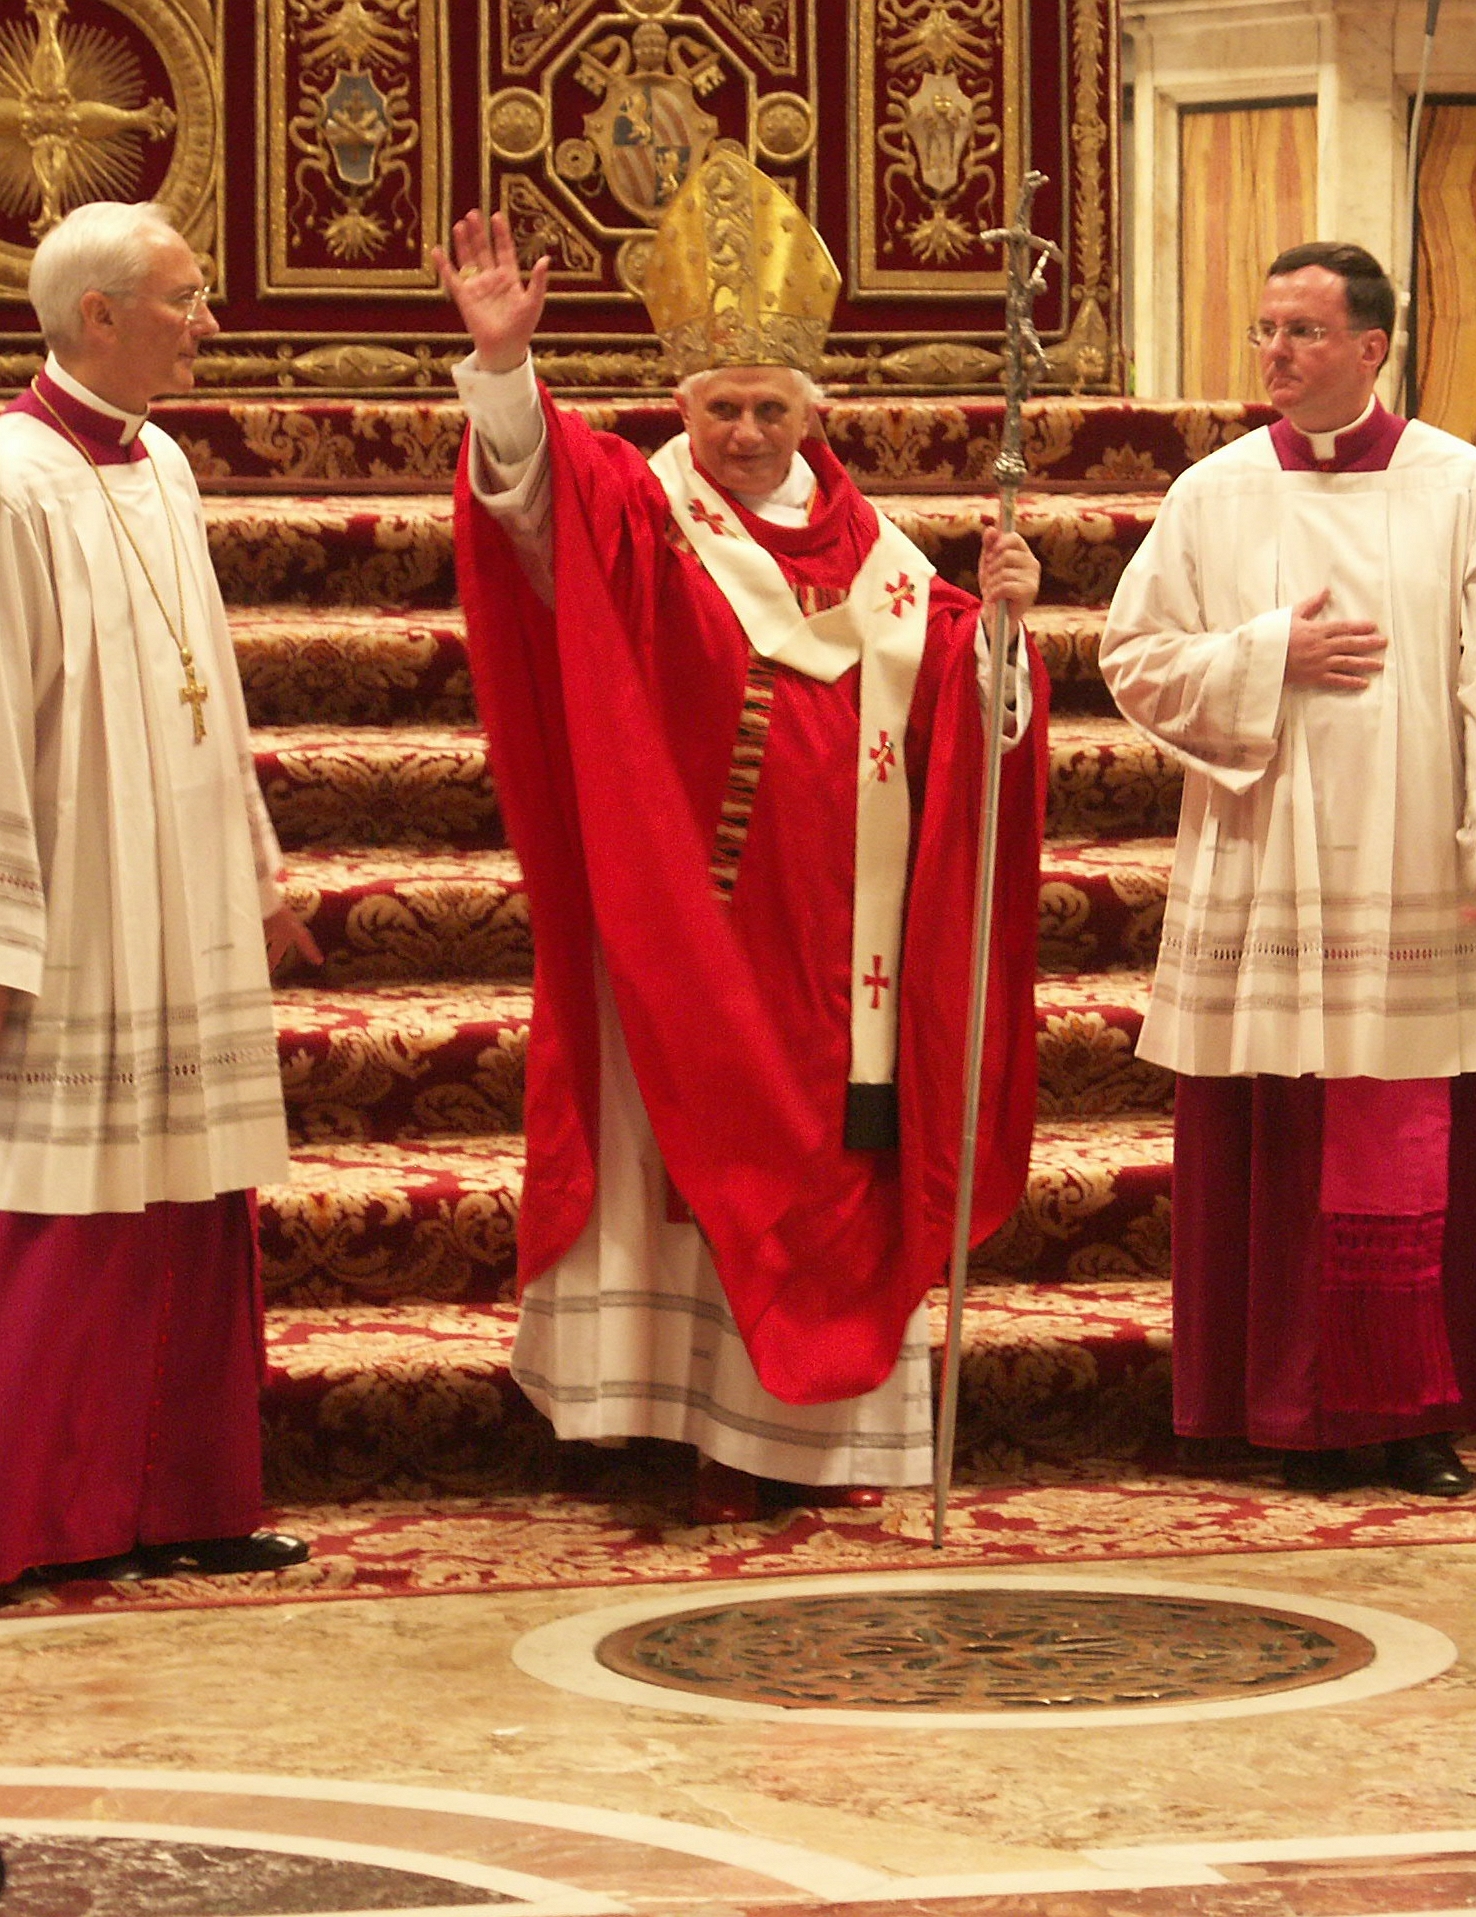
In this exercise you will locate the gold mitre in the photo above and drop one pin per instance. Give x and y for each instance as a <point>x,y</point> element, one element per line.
<point>736,275</point>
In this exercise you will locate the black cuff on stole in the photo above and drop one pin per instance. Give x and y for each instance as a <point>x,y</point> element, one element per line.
<point>871,1118</point>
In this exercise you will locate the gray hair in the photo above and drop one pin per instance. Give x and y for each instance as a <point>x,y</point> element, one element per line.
<point>806,389</point>
<point>105,247</point>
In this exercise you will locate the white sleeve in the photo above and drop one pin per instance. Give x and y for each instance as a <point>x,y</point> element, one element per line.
<point>1018,697</point>
<point>509,466</point>
<point>264,847</point>
<point>1214,699</point>
<point>29,629</point>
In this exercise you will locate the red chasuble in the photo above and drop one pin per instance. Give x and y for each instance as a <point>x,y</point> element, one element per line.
<point>612,723</point>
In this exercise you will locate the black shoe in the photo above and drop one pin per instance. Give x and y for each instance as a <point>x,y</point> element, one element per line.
<point>116,1570</point>
<point>224,1557</point>
<point>1332,1470</point>
<point>1427,1466</point>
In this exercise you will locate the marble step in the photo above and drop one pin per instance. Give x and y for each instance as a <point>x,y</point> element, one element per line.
<point>407,1399</point>
<point>397,549</point>
<point>395,1063</point>
<point>434,1217</point>
<point>427,785</point>
<point>366,666</point>
<point>422,914</point>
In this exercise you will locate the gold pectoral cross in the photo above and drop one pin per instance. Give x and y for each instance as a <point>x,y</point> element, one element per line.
<point>193,694</point>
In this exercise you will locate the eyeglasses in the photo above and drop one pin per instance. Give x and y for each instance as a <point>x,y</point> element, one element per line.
<point>1296,332</point>
<point>189,306</point>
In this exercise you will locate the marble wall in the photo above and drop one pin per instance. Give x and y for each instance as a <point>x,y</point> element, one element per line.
<point>1356,61</point>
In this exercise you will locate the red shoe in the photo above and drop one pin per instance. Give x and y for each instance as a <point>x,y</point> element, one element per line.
<point>836,1497</point>
<point>723,1495</point>
<point>850,1497</point>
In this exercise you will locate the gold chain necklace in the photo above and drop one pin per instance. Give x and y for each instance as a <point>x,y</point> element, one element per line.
<point>193,693</point>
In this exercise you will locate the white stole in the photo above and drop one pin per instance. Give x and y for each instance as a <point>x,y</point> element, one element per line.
<point>882,622</point>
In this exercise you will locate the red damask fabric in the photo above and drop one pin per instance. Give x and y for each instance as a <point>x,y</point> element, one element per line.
<point>611,725</point>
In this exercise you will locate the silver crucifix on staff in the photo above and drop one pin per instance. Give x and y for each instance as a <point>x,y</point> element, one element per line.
<point>1026,254</point>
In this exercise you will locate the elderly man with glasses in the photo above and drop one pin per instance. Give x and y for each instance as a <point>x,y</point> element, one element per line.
<point>140,1101</point>
<point>1298,630</point>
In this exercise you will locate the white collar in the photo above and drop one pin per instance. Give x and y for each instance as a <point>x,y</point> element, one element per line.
<point>1325,445</point>
<point>789,503</point>
<point>86,397</point>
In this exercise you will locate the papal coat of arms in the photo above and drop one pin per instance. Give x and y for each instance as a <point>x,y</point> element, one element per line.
<point>649,129</point>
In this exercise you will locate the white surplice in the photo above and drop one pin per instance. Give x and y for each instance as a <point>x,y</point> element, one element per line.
<point>138,1060</point>
<point>1327,840</point>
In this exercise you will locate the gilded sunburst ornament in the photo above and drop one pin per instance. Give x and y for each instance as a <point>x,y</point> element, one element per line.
<point>72,115</point>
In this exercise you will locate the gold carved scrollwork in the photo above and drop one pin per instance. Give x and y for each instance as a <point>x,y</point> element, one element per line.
<point>784,127</point>
<point>931,363</point>
<point>530,27</point>
<point>538,227</point>
<point>765,27</point>
<point>1088,356</point>
<point>517,124</point>
<point>631,261</point>
<point>76,119</point>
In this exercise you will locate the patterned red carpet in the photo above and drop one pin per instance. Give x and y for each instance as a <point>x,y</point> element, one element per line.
<point>625,1523</point>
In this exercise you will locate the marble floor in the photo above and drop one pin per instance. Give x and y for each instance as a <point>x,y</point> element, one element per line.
<point>467,1753</point>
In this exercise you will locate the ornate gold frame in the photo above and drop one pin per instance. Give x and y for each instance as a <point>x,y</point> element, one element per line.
<point>188,36</point>
<point>868,279</point>
<point>595,16</point>
<point>273,272</point>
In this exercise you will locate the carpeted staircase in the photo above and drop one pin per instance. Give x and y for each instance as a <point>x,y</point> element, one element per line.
<point>389,1255</point>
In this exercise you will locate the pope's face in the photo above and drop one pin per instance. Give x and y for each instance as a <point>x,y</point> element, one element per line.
<point>746,423</point>
<point>159,326</point>
<point>1319,384</point>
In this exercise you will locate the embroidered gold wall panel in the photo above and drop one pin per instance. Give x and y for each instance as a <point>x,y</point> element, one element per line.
<point>351,131</point>
<point>1248,189</point>
<point>315,150</point>
<point>108,101</point>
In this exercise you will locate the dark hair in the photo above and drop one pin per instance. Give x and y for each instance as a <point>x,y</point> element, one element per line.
<point>1366,286</point>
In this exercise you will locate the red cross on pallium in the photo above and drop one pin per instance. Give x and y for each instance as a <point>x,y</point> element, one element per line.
<point>878,982</point>
<point>902,593</point>
<point>705,516</point>
<point>885,755</point>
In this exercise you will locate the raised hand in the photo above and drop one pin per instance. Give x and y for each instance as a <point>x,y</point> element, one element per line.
<point>498,307</point>
<point>1337,655</point>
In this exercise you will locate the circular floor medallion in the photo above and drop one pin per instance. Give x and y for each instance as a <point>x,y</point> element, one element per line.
<point>984,1650</point>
